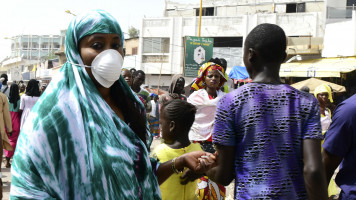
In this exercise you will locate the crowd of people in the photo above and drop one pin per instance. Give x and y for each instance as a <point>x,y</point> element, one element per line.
<point>16,101</point>
<point>89,135</point>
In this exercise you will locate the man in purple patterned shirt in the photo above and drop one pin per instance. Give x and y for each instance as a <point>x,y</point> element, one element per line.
<point>268,134</point>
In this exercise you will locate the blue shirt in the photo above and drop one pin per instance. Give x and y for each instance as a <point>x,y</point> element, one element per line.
<point>267,124</point>
<point>340,140</point>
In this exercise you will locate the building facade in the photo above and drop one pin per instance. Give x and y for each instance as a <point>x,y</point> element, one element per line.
<point>161,52</point>
<point>131,50</point>
<point>27,54</point>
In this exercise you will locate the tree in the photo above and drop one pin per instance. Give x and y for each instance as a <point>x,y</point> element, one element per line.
<point>133,32</point>
<point>51,55</point>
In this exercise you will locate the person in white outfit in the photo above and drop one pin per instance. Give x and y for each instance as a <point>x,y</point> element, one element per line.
<point>29,100</point>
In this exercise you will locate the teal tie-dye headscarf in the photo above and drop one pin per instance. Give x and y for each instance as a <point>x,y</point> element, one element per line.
<point>73,146</point>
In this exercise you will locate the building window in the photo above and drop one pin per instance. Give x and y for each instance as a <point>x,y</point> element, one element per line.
<point>351,2</point>
<point>134,51</point>
<point>34,46</point>
<point>24,46</point>
<point>155,45</point>
<point>209,11</point>
<point>295,7</point>
<point>228,41</point>
<point>56,45</point>
<point>44,46</point>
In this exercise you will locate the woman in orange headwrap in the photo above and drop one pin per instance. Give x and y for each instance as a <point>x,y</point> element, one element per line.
<point>205,98</point>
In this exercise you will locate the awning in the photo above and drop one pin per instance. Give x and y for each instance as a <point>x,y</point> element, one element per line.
<point>322,67</point>
<point>312,83</point>
<point>238,73</point>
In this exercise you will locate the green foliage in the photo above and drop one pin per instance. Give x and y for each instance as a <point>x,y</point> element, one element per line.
<point>51,55</point>
<point>133,32</point>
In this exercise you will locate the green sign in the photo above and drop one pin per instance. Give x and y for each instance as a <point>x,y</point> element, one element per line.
<point>198,50</point>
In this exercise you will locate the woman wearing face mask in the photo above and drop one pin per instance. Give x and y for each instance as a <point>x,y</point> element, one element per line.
<point>89,131</point>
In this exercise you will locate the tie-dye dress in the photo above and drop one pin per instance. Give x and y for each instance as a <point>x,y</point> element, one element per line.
<point>73,145</point>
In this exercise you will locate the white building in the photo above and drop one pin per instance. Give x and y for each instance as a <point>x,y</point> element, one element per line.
<point>27,52</point>
<point>339,48</point>
<point>228,22</point>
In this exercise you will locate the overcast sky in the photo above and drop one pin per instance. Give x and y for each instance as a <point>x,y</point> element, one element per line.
<point>48,17</point>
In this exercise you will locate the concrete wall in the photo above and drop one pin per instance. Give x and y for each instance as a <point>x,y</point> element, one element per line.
<point>336,3</point>
<point>339,39</point>
<point>129,44</point>
<point>233,56</point>
<point>218,3</point>
<point>130,62</point>
<point>315,7</point>
<point>154,79</point>
<point>181,13</point>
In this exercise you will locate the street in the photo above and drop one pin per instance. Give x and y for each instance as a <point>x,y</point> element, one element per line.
<point>6,180</point>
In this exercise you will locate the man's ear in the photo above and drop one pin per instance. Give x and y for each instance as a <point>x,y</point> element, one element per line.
<point>284,57</point>
<point>252,55</point>
<point>172,126</point>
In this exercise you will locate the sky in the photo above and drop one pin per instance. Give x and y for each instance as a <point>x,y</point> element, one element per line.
<point>48,17</point>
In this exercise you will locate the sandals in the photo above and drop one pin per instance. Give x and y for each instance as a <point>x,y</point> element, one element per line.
<point>8,165</point>
<point>7,162</point>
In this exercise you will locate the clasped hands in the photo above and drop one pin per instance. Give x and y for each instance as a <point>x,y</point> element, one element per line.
<point>198,163</point>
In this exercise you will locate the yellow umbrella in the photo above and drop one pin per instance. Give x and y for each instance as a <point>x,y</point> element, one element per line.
<point>312,83</point>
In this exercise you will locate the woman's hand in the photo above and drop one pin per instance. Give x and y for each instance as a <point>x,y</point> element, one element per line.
<point>197,161</point>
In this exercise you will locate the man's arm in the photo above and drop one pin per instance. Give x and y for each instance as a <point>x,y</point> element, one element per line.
<point>314,176</point>
<point>223,173</point>
<point>330,163</point>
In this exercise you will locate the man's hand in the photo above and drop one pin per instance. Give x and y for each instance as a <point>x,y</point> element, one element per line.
<point>189,176</point>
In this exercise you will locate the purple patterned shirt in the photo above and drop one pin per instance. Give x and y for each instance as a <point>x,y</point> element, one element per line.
<point>267,124</point>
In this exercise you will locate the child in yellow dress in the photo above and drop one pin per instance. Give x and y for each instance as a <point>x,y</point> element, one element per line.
<point>176,119</point>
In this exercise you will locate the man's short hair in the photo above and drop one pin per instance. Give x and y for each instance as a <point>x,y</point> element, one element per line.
<point>136,73</point>
<point>268,39</point>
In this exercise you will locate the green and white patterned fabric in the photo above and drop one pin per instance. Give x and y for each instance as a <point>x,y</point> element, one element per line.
<point>73,146</point>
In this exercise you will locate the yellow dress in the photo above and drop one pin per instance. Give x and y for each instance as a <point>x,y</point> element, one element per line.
<point>171,188</point>
<point>333,189</point>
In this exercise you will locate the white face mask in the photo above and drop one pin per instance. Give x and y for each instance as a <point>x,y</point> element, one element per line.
<point>106,67</point>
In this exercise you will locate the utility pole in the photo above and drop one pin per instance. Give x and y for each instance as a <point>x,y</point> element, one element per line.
<point>200,14</point>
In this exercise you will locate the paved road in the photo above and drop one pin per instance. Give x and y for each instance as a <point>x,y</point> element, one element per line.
<point>6,180</point>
